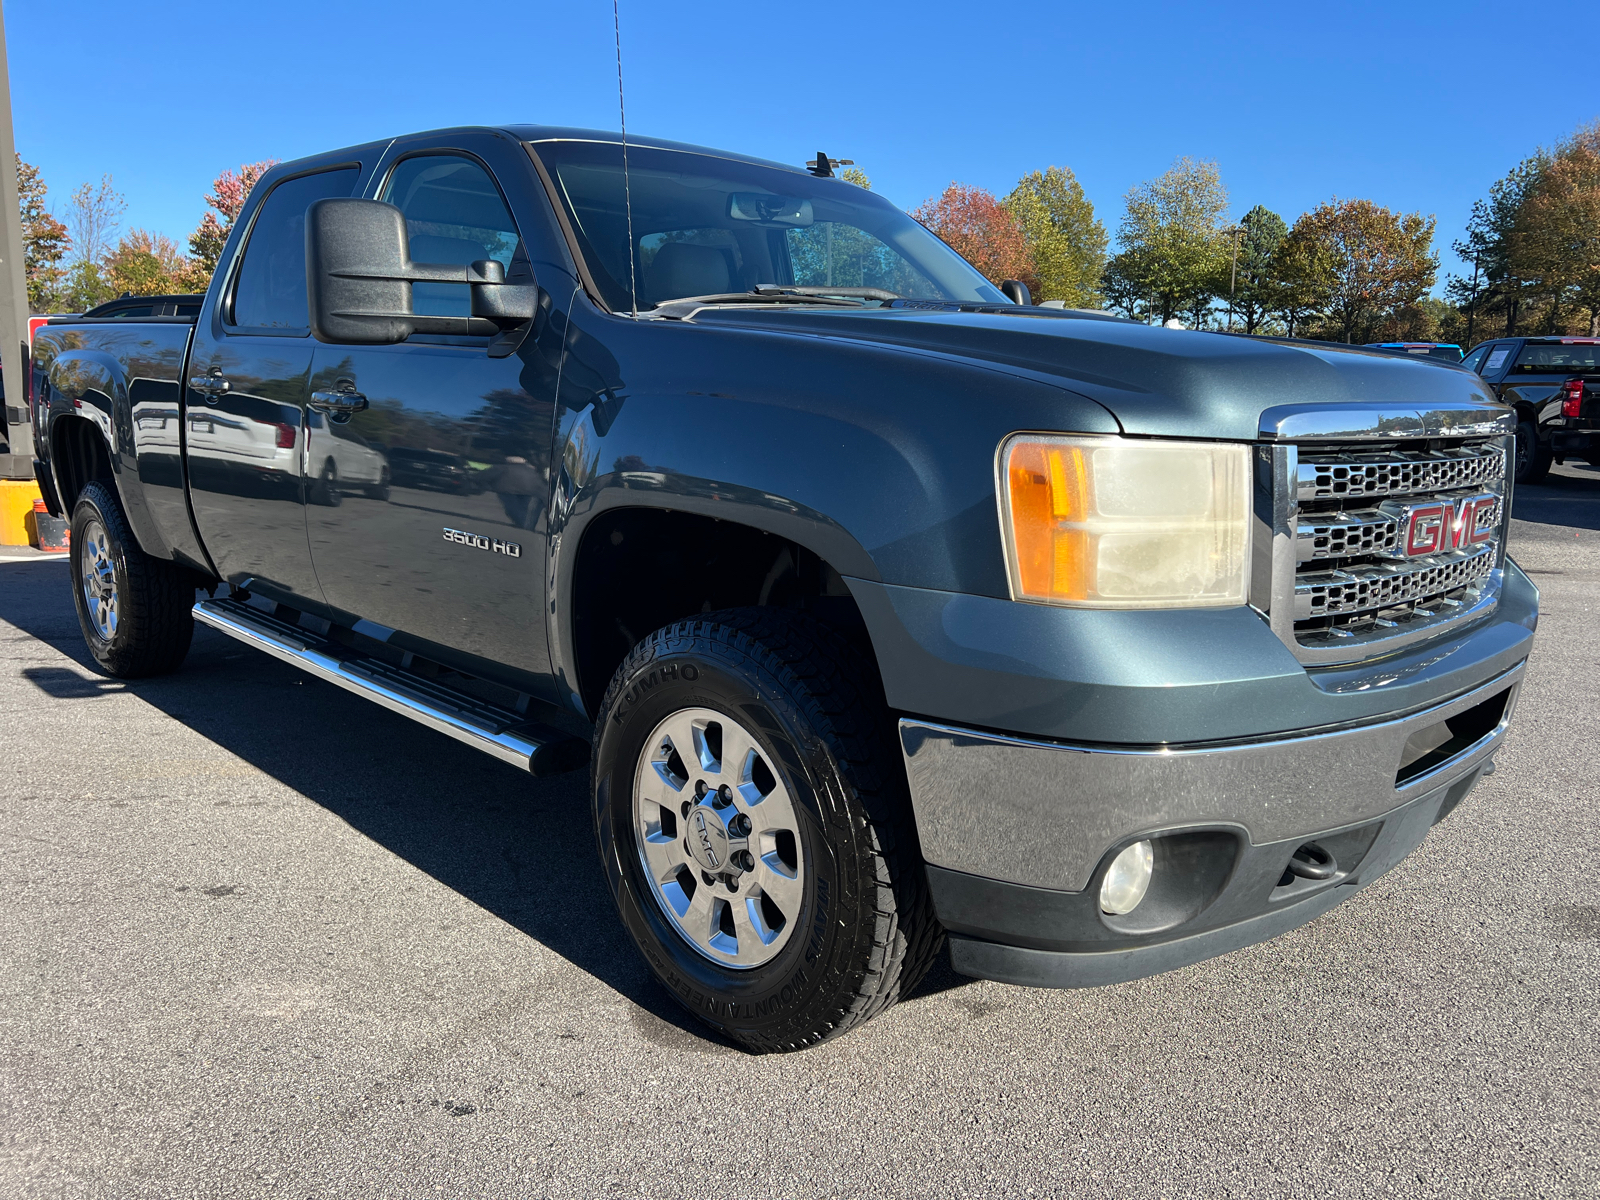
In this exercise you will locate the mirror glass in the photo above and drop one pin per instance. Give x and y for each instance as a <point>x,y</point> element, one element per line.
<point>781,212</point>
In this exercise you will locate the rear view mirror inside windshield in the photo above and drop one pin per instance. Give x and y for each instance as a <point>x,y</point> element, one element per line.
<point>779,212</point>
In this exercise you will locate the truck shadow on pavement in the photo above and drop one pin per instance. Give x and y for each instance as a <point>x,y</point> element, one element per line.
<point>1569,496</point>
<point>518,847</point>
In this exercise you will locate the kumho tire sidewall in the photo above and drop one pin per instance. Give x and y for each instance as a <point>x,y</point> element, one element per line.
<point>804,979</point>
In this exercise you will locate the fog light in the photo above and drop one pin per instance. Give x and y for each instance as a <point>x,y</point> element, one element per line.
<point>1127,880</point>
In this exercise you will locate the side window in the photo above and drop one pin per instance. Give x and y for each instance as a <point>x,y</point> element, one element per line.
<point>1498,354</point>
<point>454,214</point>
<point>271,291</point>
<point>1474,360</point>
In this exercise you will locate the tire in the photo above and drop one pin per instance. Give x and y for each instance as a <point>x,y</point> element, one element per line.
<point>1533,460</point>
<point>857,929</point>
<point>326,490</point>
<point>380,490</point>
<point>136,612</point>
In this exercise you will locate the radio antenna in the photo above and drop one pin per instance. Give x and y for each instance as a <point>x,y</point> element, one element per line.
<point>627,190</point>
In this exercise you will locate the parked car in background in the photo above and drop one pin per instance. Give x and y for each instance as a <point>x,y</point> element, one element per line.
<point>1553,383</point>
<point>1446,351</point>
<point>434,470</point>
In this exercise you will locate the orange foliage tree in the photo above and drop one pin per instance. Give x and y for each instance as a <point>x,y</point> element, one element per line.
<point>980,229</point>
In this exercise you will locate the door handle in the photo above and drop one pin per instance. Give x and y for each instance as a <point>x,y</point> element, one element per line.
<point>210,386</point>
<point>342,404</point>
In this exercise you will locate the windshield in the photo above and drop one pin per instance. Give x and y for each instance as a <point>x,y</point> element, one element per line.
<point>1556,358</point>
<point>707,226</point>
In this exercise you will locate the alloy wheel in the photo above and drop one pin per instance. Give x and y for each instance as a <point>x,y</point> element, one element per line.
<point>99,574</point>
<point>718,838</point>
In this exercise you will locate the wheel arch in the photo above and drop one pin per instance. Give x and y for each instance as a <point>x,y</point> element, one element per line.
<point>633,566</point>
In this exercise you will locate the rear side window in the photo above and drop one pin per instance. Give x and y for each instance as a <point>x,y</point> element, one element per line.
<point>1566,357</point>
<point>1497,359</point>
<point>1475,359</point>
<point>454,214</point>
<point>271,292</point>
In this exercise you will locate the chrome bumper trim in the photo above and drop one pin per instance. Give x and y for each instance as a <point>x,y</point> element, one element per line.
<point>1044,813</point>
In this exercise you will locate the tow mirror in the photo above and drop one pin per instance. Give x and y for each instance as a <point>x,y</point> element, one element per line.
<point>359,275</point>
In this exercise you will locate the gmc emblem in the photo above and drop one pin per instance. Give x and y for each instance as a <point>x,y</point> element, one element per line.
<point>1441,526</point>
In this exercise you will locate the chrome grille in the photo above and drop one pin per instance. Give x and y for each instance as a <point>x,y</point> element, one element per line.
<point>1352,577</point>
<point>1375,585</point>
<point>1335,476</point>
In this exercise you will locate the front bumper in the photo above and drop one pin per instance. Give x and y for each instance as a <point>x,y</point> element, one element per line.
<point>1017,833</point>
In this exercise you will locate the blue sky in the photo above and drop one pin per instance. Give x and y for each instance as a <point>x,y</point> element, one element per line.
<point>1417,106</point>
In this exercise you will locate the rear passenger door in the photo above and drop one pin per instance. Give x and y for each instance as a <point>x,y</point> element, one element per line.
<point>245,404</point>
<point>450,549</point>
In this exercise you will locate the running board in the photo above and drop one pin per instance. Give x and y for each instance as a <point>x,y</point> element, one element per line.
<point>507,735</point>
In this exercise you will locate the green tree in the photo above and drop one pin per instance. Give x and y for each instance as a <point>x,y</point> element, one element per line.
<point>45,241</point>
<point>1303,278</point>
<point>1067,242</point>
<point>856,176</point>
<point>1380,262</point>
<point>1490,233</point>
<point>1256,288</point>
<point>1173,253</point>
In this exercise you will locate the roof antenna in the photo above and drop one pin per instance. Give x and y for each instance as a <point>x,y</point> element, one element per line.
<point>627,190</point>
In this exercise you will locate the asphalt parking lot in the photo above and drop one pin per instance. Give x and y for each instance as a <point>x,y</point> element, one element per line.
<point>261,938</point>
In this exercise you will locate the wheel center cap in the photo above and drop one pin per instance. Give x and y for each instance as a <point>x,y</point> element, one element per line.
<point>715,837</point>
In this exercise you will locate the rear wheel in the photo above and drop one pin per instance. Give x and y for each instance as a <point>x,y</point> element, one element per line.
<point>136,612</point>
<point>1533,460</point>
<point>752,818</point>
<point>326,491</point>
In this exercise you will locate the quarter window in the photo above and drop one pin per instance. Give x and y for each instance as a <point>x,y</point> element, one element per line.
<point>271,292</point>
<point>454,214</point>
<point>1474,360</point>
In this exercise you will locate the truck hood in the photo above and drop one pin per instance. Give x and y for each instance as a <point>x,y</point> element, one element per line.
<point>1155,381</point>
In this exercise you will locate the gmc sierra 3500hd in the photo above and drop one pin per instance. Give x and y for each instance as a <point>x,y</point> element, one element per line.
<point>897,609</point>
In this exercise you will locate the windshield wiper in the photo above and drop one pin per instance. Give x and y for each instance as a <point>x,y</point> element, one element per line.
<point>771,294</point>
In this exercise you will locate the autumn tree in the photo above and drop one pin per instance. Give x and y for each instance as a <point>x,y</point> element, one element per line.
<point>1554,243</point>
<point>1065,241</point>
<point>229,191</point>
<point>1174,256</point>
<point>980,229</point>
<point>1380,261</point>
<point>45,241</point>
<point>145,264</point>
<point>1256,289</point>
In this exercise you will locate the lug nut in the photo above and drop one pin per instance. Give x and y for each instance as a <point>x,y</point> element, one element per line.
<point>684,809</point>
<point>745,860</point>
<point>733,883</point>
<point>724,796</point>
<point>740,825</point>
<point>710,879</point>
<point>700,789</point>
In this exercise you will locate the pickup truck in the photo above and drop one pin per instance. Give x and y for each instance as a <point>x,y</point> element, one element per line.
<point>885,612</point>
<point>1553,386</point>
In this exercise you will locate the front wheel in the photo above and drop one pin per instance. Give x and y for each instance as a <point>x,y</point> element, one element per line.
<point>753,822</point>
<point>1533,460</point>
<point>326,490</point>
<point>136,612</point>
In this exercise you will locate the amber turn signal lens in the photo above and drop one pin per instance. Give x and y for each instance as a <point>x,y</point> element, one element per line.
<point>1109,522</point>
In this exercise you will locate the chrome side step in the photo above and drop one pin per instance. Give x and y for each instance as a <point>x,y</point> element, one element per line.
<point>507,735</point>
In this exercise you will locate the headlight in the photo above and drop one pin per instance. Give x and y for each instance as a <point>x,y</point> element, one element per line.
<point>1109,522</point>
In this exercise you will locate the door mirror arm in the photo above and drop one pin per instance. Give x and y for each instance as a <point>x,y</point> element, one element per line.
<point>359,276</point>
